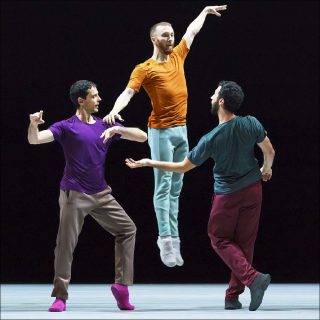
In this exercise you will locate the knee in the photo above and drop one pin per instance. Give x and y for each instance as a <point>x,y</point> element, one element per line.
<point>216,241</point>
<point>163,180</point>
<point>162,190</point>
<point>132,230</point>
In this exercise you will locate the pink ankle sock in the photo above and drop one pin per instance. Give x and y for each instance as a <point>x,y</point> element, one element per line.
<point>58,305</point>
<point>121,294</point>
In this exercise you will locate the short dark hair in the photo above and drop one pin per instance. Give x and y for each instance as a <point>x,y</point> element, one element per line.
<point>154,27</point>
<point>80,89</point>
<point>232,95</point>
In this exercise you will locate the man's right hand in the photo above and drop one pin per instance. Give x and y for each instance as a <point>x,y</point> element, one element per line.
<point>36,118</point>
<point>112,117</point>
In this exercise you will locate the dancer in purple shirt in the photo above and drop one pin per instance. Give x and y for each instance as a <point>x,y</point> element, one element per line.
<point>85,140</point>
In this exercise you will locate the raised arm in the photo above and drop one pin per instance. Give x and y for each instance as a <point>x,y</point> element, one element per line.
<point>121,102</point>
<point>34,135</point>
<point>179,167</point>
<point>133,134</point>
<point>196,25</point>
<point>268,156</point>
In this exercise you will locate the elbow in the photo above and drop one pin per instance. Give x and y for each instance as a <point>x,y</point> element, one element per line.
<point>32,141</point>
<point>183,170</point>
<point>272,153</point>
<point>143,137</point>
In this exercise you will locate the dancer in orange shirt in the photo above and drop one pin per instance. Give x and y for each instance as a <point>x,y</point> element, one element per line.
<point>162,76</point>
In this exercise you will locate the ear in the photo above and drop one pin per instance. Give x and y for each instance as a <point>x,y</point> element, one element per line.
<point>153,39</point>
<point>80,101</point>
<point>221,102</point>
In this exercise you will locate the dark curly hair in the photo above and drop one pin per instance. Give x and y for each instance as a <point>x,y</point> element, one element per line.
<point>80,89</point>
<point>232,95</point>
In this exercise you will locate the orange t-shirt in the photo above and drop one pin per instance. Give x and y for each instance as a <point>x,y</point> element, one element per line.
<point>165,83</point>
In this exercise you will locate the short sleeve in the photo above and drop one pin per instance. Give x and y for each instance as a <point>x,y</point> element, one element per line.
<point>57,130</point>
<point>259,131</point>
<point>200,153</point>
<point>181,49</point>
<point>137,77</point>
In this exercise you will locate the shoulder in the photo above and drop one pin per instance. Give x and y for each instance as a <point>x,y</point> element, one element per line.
<point>144,66</point>
<point>64,123</point>
<point>252,120</point>
<point>246,120</point>
<point>107,126</point>
<point>97,119</point>
<point>208,137</point>
<point>181,50</point>
<point>181,45</point>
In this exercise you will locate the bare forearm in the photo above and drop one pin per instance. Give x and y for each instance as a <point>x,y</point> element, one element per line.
<point>133,134</point>
<point>268,158</point>
<point>33,134</point>
<point>38,137</point>
<point>196,25</point>
<point>179,167</point>
<point>167,166</point>
<point>123,100</point>
<point>268,153</point>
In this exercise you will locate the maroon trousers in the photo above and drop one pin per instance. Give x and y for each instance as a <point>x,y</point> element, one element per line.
<point>232,228</point>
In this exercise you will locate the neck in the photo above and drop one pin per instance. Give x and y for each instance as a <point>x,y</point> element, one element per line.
<point>225,116</point>
<point>84,116</point>
<point>159,56</point>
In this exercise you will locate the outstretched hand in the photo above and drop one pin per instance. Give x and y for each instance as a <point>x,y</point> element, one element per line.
<point>214,9</point>
<point>112,117</point>
<point>36,118</point>
<point>133,164</point>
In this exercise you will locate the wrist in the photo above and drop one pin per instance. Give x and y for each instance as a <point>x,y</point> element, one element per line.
<point>148,163</point>
<point>119,130</point>
<point>34,125</point>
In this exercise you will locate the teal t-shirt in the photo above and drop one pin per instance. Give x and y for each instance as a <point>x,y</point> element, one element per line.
<point>231,146</point>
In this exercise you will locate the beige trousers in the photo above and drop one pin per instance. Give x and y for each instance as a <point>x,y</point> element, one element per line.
<point>74,207</point>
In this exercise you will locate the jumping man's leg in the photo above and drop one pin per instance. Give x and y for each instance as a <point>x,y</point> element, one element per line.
<point>180,152</point>
<point>162,150</point>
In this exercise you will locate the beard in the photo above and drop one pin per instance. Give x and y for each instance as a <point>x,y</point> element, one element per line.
<point>164,48</point>
<point>168,50</point>
<point>215,108</point>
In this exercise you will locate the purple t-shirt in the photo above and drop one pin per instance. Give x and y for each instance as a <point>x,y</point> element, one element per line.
<point>84,153</point>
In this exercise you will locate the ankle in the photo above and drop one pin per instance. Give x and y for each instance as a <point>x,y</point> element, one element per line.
<point>121,284</point>
<point>165,237</point>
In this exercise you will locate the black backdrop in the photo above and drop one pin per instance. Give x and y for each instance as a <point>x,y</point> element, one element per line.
<point>269,47</point>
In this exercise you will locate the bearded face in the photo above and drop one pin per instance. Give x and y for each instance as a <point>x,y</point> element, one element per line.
<point>164,39</point>
<point>165,47</point>
<point>214,107</point>
<point>215,101</point>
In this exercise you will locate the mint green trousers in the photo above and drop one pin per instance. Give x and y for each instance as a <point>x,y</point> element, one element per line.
<point>169,144</point>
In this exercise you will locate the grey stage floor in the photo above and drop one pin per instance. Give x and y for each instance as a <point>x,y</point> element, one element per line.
<point>154,301</point>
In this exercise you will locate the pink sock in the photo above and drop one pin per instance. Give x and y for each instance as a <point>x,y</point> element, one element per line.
<point>58,305</point>
<point>121,294</point>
